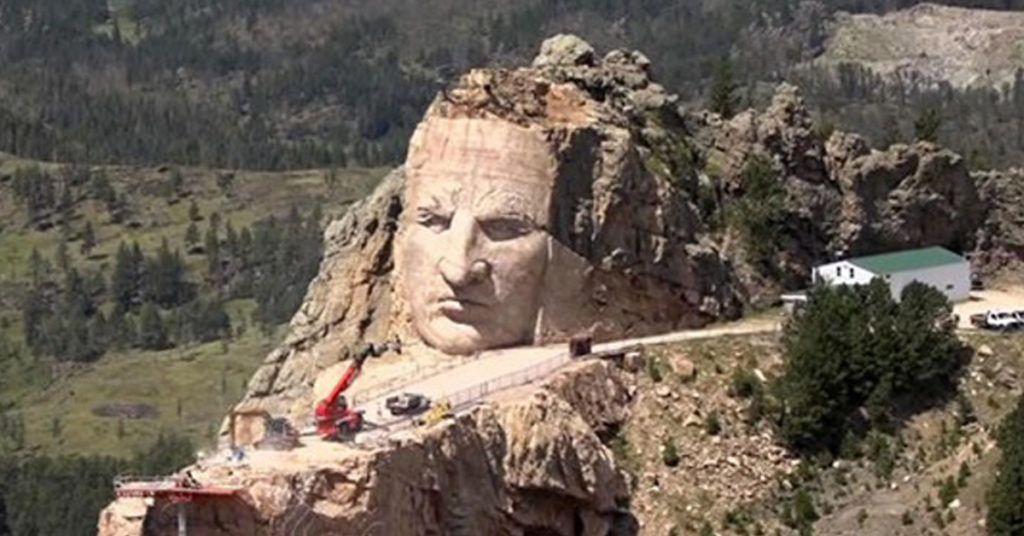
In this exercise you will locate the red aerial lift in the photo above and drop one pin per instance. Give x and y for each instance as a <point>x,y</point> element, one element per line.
<point>335,421</point>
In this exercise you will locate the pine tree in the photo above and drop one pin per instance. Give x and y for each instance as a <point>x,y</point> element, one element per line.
<point>88,240</point>
<point>177,182</point>
<point>225,181</point>
<point>212,252</point>
<point>124,282</point>
<point>1006,498</point>
<point>723,88</point>
<point>855,347</point>
<point>926,126</point>
<point>891,131</point>
<point>165,282</point>
<point>4,530</point>
<point>33,311</point>
<point>39,269</point>
<point>331,178</point>
<point>191,237</point>
<point>76,295</point>
<point>152,333</point>
<point>193,212</point>
<point>63,256</point>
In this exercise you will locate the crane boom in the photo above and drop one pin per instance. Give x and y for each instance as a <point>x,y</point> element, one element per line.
<point>346,379</point>
<point>334,419</point>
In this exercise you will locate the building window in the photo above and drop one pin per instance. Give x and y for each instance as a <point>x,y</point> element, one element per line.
<point>888,277</point>
<point>839,271</point>
<point>851,273</point>
<point>949,287</point>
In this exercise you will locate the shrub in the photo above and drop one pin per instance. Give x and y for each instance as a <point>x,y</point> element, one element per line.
<point>713,423</point>
<point>880,452</point>
<point>948,491</point>
<point>745,383</point>
<point>669,453</point>
<point>963,475</point>
<point>654,369</point>
<point>803,513</point>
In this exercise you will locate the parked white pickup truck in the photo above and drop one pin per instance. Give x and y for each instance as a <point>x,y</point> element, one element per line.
<point>996,319</point>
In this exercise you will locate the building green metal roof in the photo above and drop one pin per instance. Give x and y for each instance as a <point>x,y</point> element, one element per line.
<point>902,261</point>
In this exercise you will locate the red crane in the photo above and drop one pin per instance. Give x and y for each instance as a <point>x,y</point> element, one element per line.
<point>335,421</point>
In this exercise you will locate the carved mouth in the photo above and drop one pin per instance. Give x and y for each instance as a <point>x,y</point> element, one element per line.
<point>460,308</point>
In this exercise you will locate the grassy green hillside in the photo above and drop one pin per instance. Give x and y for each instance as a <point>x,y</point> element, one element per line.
<point>120,402</point>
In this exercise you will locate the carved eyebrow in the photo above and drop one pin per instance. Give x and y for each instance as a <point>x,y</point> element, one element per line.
<point>437,203</point>
<point>504,202</point>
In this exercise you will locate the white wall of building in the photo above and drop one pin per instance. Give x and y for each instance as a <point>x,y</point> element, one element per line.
<point>953,280</point>
<point>842,273</point>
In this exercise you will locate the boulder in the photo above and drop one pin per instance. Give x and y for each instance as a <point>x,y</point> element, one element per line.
<point>564,49</point>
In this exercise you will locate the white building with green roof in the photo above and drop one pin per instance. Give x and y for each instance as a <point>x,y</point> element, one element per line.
<point>935,266</point>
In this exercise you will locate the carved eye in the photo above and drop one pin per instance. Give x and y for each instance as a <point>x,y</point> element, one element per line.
<point>505,228</point>
<point>432,220</point>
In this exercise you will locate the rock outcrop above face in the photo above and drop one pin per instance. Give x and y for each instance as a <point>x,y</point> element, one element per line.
<point>529,466</point>
<point>842,198</point>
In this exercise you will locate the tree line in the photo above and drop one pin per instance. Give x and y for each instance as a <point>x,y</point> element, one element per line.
<point>63,495</point>
<point>152,302</point>
<point>212,83</point>
<point>854,348</point>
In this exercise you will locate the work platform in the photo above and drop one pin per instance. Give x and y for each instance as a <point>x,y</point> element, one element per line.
<point>174,493</point>
<point>177,490</point>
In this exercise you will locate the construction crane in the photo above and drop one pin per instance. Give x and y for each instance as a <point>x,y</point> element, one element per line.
<point>335,421</point>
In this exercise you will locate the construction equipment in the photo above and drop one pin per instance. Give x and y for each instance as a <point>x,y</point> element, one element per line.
<point>437,413</point>
<point>335,421</point>
<point>580,344</point>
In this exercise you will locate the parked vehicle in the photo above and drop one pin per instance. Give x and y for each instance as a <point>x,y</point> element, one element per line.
<point>407,404</point>
<point>998,320</point>
<point>438,412</point>
<point>976,282</point>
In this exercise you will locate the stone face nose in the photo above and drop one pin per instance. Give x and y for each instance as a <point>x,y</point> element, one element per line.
<point>459,262</point>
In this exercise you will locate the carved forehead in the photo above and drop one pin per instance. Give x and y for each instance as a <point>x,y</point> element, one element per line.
<point>474,151</point>
<point>490,166</point>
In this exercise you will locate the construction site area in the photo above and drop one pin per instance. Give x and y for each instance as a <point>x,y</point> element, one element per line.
<point>368,408</point>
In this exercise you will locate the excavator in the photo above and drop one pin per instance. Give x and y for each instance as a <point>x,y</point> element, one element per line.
<point>335,421</point>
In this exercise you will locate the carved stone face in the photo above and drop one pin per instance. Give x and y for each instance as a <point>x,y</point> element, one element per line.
<point>474,247</point>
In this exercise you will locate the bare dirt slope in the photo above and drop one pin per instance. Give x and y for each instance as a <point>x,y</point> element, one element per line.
<point>928,42</point>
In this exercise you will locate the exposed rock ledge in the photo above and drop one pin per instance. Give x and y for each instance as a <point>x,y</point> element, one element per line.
<point>531,465</point>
